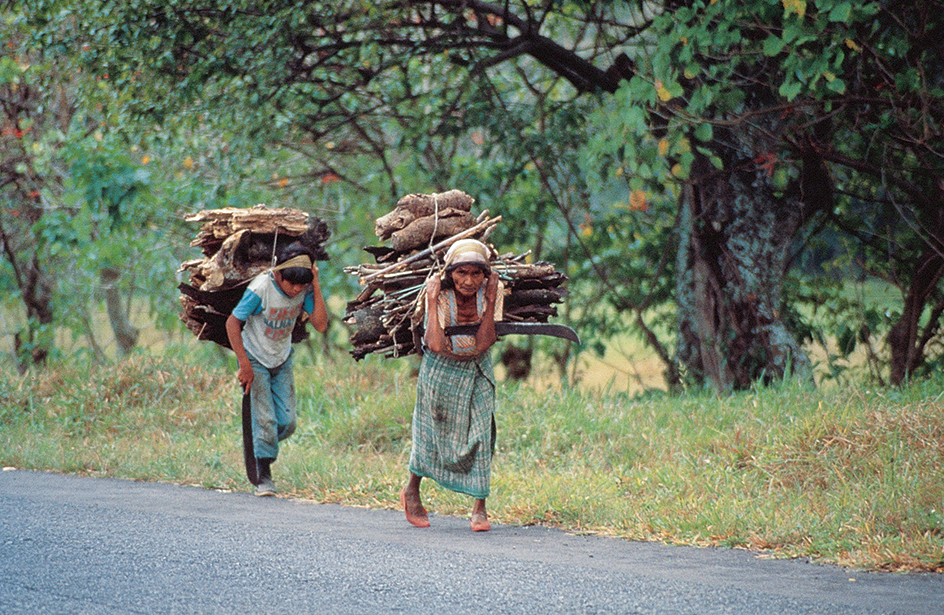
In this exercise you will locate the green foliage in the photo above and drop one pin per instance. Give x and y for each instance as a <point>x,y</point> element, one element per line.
<point>383,119</point>
<point>842,320</point>
<point>343,107</point>
<point>779,88</point>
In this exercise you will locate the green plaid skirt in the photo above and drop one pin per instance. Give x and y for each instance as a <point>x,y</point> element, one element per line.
<point>454,423</point>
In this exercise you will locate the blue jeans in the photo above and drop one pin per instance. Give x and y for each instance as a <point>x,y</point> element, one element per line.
<point>273,406</point>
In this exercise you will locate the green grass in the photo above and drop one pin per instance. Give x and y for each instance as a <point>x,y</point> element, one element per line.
<point>850,476</point>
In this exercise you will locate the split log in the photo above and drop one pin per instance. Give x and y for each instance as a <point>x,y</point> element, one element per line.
<point>525,271</point>
<point>369,325</point>
<point>530,313</point>
<point>536,296</point>
<point>238,245</point>
<point>445,243</point>
<point>228,267</point>
<point>414,206</point>
<point>423,230</point>
<point>221,223</point>
<point>381,254</point>
<point>549,281</point>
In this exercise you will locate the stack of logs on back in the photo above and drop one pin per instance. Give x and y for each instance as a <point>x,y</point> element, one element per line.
<point>421,228</point>
<point>238,244</point>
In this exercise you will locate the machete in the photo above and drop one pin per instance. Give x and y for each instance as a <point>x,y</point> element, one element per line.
<point>522,328</point>
<point>249,453</point>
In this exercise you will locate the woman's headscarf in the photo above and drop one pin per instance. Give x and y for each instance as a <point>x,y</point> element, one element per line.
<point>467,252</point>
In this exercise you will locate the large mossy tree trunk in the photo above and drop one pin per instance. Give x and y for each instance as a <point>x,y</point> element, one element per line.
<point>734,239</point>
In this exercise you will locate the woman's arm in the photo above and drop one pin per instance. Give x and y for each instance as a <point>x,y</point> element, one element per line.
<point>434,337</point>
<point>485,336</point>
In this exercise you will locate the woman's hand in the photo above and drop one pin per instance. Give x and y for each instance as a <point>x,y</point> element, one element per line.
<point>433,285</point>
<point>435,338</point>
<point>491,287</point>
<point>485,336</point>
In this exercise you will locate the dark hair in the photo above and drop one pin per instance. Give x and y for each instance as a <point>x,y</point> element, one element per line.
<point>295,275</point>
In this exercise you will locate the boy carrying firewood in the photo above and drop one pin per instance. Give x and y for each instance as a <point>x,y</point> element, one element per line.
<point>260,333</point>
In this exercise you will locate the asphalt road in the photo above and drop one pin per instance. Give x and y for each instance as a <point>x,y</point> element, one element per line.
<point>99,546</point>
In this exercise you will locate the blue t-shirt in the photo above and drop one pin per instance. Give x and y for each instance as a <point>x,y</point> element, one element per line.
<point>270,316</point>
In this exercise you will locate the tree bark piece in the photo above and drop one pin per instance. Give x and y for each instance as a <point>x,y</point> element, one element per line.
<point>428,228</point>
<point>445,243</point>
<point>413,206</point>
<point>238,244</point>
<point>221,223</point>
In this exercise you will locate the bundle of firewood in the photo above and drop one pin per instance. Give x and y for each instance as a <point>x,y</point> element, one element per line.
<point>421,228</point>
<point>237,245</point>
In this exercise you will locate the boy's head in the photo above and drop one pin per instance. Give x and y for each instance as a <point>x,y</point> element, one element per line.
<point>299,262</point>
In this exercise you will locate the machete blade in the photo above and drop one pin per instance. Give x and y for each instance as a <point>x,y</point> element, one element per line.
<point>520,328</point>
<point>249,453</point>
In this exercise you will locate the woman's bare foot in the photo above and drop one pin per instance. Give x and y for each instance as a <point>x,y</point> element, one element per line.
<point>480,521</point>
<point>413,508</point>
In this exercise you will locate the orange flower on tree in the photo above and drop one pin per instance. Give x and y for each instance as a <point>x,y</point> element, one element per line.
<point>767,161</point>
<point>638,201</point>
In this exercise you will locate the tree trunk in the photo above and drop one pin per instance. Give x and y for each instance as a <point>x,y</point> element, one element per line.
<point>126,334</point>
<point>734,235</point>
<point>34,343</point>
<point>905,343</point>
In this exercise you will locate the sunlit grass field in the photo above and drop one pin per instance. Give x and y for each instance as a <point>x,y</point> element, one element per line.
<point>847,475</point>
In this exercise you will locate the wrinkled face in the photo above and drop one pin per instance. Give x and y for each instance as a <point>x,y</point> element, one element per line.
<point>468,279</point>
<point>289,288</point>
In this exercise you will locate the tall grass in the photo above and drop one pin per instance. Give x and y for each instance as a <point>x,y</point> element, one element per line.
<point>848,476</point>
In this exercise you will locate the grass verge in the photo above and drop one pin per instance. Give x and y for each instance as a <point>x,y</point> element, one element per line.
<point>851,477</point>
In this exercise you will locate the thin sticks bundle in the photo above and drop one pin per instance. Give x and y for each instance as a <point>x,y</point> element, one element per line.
<point>421,228</point>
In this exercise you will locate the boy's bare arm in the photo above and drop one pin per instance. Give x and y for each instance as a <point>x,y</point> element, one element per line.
<point>234,331</point>
<point>319,317</point>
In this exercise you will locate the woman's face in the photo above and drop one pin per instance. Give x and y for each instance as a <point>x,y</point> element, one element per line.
<point>467,279</point>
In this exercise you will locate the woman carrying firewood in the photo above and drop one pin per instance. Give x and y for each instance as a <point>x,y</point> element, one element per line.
<point>453,420</point>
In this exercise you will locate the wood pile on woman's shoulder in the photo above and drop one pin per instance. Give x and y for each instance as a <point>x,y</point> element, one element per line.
<point>420,229</point>
<point>238,244</point>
